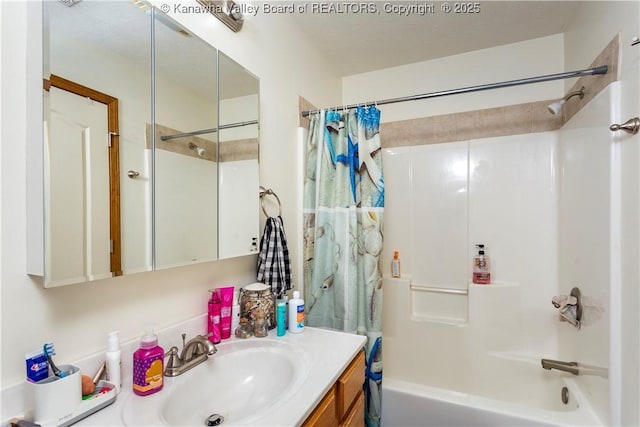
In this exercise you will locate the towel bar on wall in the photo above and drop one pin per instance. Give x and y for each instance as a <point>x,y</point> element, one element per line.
<point>267,191</point>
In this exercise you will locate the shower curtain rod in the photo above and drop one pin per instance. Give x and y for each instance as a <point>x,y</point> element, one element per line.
<point>588,72</point>
<point>211,130</point>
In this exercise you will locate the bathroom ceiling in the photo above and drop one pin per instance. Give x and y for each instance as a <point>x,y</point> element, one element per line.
<point>361,42</point>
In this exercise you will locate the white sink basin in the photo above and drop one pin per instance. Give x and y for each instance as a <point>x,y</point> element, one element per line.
<point>243,382</point>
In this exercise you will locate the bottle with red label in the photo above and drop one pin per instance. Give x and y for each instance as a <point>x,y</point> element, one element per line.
<point>481,270</point>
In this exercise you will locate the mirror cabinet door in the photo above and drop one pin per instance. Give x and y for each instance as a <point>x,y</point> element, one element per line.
<point>238,169</point>
<point>97,99</point>
<point>138,173</point>
<point>186,146</point>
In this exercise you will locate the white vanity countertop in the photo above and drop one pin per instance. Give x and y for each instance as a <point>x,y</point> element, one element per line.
<point>328,354</point>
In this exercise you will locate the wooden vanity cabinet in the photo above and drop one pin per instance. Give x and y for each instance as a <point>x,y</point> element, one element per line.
<point>343,405</point>
<point>326,413</point>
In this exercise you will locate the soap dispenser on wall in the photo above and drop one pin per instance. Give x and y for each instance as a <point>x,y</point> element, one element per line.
<point>481,268</point>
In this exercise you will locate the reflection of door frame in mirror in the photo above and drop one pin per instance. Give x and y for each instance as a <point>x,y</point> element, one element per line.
<point>114,158</point>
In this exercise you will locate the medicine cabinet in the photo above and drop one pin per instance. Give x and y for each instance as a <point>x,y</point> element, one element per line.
<point>150,146</point>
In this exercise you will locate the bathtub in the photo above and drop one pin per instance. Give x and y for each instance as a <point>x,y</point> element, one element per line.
<point>476,370</point>
<point>502,398</point>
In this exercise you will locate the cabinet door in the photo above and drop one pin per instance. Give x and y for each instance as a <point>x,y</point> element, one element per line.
<point>325,413</point>
<point>350,384</point>
<point>355,415</point>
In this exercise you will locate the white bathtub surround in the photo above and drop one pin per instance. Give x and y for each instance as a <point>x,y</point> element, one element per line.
<point>463,374</point>
<point>548,208</point>
<point>442,199</point>
<point>452,355</point>
<point>327,354</point>
<point>589,240</point>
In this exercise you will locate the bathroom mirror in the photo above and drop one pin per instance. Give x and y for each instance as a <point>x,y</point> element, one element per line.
<point>129,208</point>
<point>97,100</point>
<point>185,156</point>
<point>238,169</point>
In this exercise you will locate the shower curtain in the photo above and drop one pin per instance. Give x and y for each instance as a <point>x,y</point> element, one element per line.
<point>343,217</point>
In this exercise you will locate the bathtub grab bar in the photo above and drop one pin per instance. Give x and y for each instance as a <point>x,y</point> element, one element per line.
<point>422,288</point>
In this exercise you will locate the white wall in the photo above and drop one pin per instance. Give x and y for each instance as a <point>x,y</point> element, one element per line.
<point>77,318</point>
<point>236,110</point>
<point>513,61</point>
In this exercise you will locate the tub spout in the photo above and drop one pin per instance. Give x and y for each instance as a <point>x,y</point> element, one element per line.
<point>571,367</point>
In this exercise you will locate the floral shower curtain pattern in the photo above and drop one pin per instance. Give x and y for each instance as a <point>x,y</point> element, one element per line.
<point>343,221</point>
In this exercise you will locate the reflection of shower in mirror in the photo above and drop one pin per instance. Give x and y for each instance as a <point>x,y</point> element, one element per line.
<point>201,151</point>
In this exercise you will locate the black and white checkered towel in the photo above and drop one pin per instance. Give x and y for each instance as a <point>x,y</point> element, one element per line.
<point>274,265</point>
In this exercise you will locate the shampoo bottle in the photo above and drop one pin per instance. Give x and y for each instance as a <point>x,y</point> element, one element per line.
<point>213,317</point>
<point>296,313</point>
<point>148,365</point>
<point>481,271</point>
<point>395,265</point>
<point>113,358</point>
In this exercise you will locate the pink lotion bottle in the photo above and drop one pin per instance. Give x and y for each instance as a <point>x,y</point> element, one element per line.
<point>213,318</point>
<point>226,305</point>
<point>148,365</point>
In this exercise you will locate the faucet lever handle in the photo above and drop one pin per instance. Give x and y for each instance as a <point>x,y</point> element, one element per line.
<point>204,345</point>
<point>174,359</point>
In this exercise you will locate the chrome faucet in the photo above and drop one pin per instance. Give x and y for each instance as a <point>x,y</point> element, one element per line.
<point>194,352</point>
<point>571,367</point>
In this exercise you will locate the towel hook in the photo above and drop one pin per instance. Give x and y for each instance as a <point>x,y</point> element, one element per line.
<point>270,192</point>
